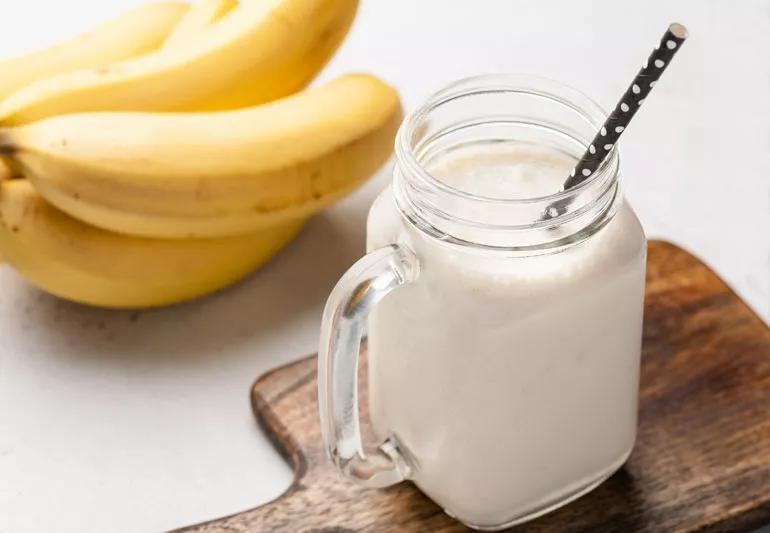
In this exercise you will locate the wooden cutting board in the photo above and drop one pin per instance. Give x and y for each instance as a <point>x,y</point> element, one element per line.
<point>701,461</point>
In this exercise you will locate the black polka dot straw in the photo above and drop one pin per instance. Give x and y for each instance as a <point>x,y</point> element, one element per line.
<point>618,120</point>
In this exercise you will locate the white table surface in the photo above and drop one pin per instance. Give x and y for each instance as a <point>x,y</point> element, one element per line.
<point>116,421</point>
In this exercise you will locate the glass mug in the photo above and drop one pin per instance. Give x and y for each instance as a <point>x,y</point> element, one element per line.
<point>503,346</point>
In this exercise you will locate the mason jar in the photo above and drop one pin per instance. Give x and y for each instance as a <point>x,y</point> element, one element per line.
<point>503,326</point>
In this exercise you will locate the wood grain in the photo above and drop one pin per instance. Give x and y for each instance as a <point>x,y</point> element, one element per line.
<point>701,462</point>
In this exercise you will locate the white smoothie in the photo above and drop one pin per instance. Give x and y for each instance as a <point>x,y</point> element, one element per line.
<point>514,170</point>
<point>511,382</point>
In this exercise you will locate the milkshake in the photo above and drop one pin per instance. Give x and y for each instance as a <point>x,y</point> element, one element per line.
<point>504,336</point>
<point>512,383</point>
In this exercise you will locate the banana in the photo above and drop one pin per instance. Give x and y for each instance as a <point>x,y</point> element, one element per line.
<point>78,262</point>
<point>182,175</point>
<point>136,32</point>
<point>201,16</point>
<point>263,49</point>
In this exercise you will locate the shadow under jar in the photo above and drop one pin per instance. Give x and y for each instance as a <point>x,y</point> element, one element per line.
<point>503,348</point>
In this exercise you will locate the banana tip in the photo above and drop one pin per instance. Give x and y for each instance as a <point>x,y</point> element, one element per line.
<point>7,147</point>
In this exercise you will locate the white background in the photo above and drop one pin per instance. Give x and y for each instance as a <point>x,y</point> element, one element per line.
<point>121,422</point>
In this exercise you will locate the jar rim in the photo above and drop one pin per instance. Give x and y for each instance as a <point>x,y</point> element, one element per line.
<point>494,83</point>
<point>482,104</point>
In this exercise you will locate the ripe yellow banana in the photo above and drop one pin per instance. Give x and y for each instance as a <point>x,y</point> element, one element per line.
<point>81,263</point>
<point>260,51</point>
<point>201,16</point>
<point>136,32</point>
<point>181,175</point>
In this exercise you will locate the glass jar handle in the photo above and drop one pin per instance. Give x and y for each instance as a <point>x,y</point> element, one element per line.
<point>344,323</point>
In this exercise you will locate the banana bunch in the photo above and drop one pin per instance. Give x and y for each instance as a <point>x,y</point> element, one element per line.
<point>169,153</point>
